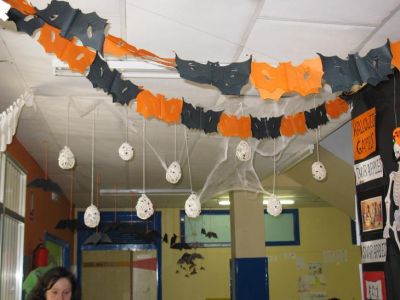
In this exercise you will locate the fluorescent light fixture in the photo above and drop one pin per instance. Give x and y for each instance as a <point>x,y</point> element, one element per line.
<point>226,202</point>
<point>130,192</point>
<point>283,201</point>
<point>128,68</point>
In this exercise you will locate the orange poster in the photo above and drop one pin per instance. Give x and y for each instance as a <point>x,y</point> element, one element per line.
<point>364,137</point>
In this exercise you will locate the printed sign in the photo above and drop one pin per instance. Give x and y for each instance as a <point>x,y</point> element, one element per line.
<point>371,214</point>
<point>368,170</point>
<point>374,286</point>
<point>373,251</point>
<point>364,138</point>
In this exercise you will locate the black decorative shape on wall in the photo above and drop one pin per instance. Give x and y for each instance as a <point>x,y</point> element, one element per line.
<point>316,117</point>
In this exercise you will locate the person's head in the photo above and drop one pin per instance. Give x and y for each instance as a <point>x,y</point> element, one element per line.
<point>56,284</point>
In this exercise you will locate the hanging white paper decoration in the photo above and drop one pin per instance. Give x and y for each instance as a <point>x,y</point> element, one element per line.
<point>193,206</point>
<point>126,151</point>
<point>91,216</point>
<point>318,171</point>
<point>274,206</point>
<point>66,159</point>
<point>396,150</point>
<point>243,151</point>
<point>144,207</point>
<point>174,173</point>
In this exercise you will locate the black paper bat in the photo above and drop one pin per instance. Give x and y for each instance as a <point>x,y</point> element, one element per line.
<point>89,28</point>
<point>165,238</point>
<point>189,258</point>
<point>228,79</point>
<point>209,234</point>
<point>46,184</point>
<point>266,127</point>
<point>101,76</point>
<point>72,224</point>
<point>197,118</point>
<point>373,68</point>
<point>27,24</point>
<point>98,238</point>
<point>178,246</point>
<point>316,117</point>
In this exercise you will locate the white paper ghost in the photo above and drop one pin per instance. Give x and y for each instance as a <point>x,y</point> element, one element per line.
<point>144,207</point>
<point>91,217</point>
<point>243,151</point>
<point>126,151</point>
<point>174,173</point>
<point>193,206</point>
<point>66,159</point>
<point>274,206</point>
<point>318,171</point>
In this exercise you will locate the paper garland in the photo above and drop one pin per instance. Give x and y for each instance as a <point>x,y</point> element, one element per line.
<point>80,58</point>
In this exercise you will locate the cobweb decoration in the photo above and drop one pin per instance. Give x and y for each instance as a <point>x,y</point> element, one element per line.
<point>4,8</point>
<point>91,217</point>
<point>144,206</point>
<point>192,204</point>
<point>318,169</point>
<point>66,158</point>
<point>174,172</point>
<point>126,151</point>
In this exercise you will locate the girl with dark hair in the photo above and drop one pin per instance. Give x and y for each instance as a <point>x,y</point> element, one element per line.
<point>57,284</point>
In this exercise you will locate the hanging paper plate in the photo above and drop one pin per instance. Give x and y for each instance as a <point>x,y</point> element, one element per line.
<point>274,206</point>
<point>126,151</point>
<point>144,207</point>
<point>174,173</point>
<point>318,171</point>
<point>243,151</point>
<point>66,159</point>
<point>193,206</point>
<point>91,217</point>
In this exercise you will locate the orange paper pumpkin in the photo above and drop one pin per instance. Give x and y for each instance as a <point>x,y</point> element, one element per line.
<point>79,58</point>
<point>272,82</point>
<point>233,126</point>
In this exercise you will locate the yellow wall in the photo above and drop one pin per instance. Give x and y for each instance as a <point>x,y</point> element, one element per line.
<point>325,238</point>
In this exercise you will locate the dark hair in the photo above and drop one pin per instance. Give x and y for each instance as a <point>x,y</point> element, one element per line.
<point>47,281</point>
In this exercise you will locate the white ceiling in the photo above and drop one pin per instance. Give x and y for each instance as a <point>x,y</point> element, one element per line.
<point>225,31</point>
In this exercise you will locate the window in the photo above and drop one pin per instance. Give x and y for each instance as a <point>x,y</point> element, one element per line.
<point>12,213</point>
<point>279,231</point>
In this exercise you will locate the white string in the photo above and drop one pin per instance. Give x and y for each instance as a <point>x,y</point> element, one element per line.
<point>126,125</point>
<point>274,178</point>
<point>175,140</point>
<point>317,135</point>
<point>187,153</point>
<point>144,153</point>
<point>93,130</point>
<point>67,136</point>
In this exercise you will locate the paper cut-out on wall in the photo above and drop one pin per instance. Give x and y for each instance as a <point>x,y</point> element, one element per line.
<point>178,246</point>
<point>100,75</point>
<point>98,238</point>
<point>78,58</point>
<point>228,79</point>
<point>343,74</point>
<point>273,82</point>
<point>209,234</point>
<point>45,184</point>
<point>334,108</point>
<point>25,23</point>
<point>316,117</point>
<point>293,124</point>
<point>89,28</point>
<point>72,224</point>
<point>266,127</point>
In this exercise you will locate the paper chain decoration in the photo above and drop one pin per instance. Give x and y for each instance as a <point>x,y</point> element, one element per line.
<point>79,58</point>
<point>343,75</point>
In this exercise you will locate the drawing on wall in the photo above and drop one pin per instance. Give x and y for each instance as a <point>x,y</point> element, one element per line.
<point>371,214</point>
